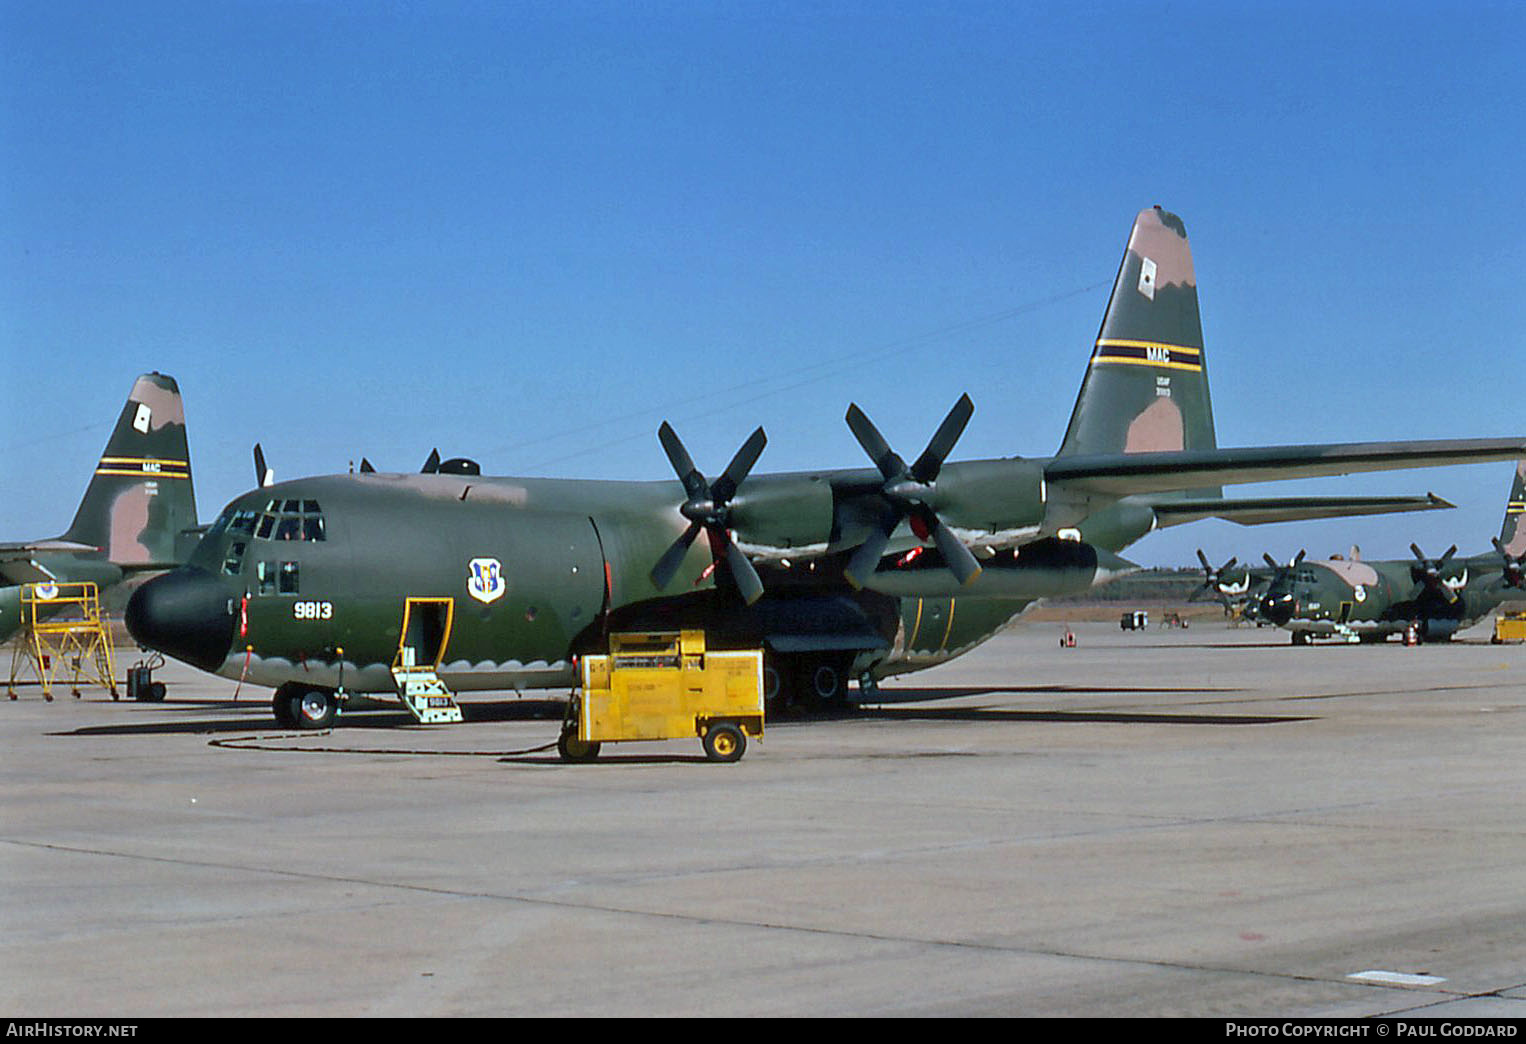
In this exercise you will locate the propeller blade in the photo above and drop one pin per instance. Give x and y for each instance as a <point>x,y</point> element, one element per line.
<point>927,466</point>
<point>891,466</point>
<point>725,487</point>
<point>667,566</point>
<point>749,584</point>
<point>959,558</point>
<point>694,483</point>
<point>867,558</point>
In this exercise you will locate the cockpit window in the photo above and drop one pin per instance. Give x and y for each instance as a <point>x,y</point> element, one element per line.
<point>287,520</point>
<point>235,558</point>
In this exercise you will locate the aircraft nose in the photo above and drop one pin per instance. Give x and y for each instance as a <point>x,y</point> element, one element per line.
<point>188,614</point>
<point>1278,609</point>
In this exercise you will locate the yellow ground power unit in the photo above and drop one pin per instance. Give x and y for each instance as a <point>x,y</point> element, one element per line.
<point>666,685</point>
<point>1509,628</point>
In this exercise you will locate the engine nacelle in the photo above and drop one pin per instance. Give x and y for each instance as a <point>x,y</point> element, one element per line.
<point>1042,569</point>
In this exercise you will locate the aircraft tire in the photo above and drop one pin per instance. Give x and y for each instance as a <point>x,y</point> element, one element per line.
<point>573,749</point>
<point>280,704</point>
<point>825,682</point>
<point>314,709</point>
<point>773,684</point>
<point>725,742</point>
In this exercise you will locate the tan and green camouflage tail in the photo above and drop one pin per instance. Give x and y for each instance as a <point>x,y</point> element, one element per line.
<point>1512,533</point>
<point>1146,387</point>
<point>140,507</point>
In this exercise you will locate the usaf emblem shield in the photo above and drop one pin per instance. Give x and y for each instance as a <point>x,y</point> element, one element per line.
<point>484,580</point>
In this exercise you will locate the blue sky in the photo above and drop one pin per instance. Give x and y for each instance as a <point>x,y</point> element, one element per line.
<point>528,233</point>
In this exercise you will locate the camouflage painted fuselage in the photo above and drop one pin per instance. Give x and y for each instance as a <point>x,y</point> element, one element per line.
<point>540,570</point>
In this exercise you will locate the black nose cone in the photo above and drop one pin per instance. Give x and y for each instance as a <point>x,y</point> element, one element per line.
<point>188,614</point>
<point>1278,609</point>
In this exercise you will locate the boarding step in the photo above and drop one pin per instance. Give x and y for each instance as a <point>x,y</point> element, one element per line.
<point>426,696</point>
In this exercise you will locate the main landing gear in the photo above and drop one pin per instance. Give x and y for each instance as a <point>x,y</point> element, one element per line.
<point>806,681</point>
<point>299,706</point>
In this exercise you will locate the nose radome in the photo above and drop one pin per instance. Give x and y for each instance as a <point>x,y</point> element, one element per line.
<point>187,614</point>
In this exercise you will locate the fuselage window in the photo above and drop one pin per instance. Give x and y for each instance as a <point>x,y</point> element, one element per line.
<point>235,558</point>
<point>288,579</point>
<point>265,577</point>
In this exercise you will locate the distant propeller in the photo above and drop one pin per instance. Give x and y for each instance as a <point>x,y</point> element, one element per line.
<point>263,476</point>
<point>1427,573</point>
<point>1214,579</point>
<point>907,492</point>
<point>707,506</point>
<point>1293,563</point>
<point>1514,577</point>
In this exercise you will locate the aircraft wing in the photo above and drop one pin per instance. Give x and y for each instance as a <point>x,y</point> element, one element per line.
<point>1256,511</point>
<point>1124,474</point>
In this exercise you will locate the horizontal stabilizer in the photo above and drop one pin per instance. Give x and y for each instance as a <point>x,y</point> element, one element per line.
<point>1257,511</point>
<point>26,550</point>
<point>1125,474</point>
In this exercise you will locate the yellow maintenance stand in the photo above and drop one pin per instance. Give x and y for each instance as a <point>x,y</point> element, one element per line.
<point>62,624</point>
<point>665,685</point>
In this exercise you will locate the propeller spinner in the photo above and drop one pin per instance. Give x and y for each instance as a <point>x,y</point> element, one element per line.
<point>907,492</point>
<point>708,507</point>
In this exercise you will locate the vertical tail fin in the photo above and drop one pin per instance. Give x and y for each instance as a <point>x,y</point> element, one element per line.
<point>1146,387</point>
<point>1512,533</point>
<point>141,500</point>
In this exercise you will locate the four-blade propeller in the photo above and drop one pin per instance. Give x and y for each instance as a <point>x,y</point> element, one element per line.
<point>1427,573</point>
<point>708,508</point>
<point>1217,581</point>
<point>907,493</point>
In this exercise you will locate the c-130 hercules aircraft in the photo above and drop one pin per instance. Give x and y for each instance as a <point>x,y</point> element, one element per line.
<point>316,586</point>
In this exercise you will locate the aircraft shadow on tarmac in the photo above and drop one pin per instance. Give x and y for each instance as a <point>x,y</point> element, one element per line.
<point>254,716</point>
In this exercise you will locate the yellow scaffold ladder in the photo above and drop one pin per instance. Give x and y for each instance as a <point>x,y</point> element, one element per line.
<point>63,628</point>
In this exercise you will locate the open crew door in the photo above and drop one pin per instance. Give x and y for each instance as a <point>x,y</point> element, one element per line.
<point>422,641</point>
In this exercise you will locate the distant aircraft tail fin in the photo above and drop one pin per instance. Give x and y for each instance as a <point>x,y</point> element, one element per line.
<point>1512,533</point>
<point>1146,387</point>
<point>140,503</point>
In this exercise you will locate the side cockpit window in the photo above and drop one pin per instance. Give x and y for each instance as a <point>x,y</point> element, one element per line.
<point>278,578</point>
<point>289,520</point>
